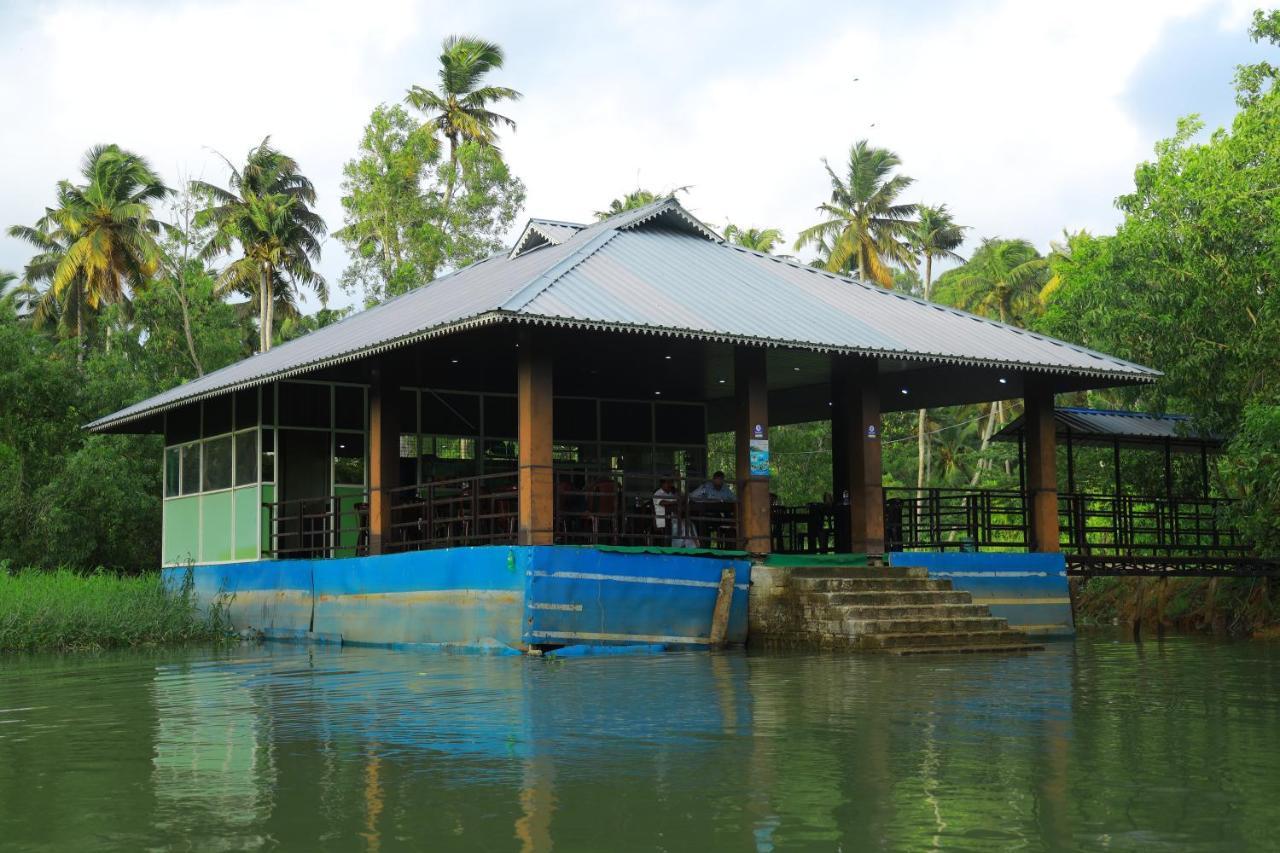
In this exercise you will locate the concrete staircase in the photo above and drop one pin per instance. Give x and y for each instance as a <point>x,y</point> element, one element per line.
<point>893,609</point>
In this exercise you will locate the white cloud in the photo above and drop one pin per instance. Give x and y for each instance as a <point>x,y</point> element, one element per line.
<point>1013,113</point>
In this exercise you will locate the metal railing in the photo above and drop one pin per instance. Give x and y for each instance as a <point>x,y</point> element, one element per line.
<point>996,519</point>
<point>807,529</point>
<point>607,507</point>
<point>329,526</point>
<point>480,510</point>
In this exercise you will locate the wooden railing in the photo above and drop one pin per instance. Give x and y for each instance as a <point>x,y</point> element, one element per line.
<point>479,510</point>
<point>329,526</point>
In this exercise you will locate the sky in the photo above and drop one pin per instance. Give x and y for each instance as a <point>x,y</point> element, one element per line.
<point>1024,118</point>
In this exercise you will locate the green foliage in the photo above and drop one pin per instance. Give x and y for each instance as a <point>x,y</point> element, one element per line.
<point>865,227</point>
<point>756,239</point>
<point>1002,280</point>
<point>1252,471</point>
<point>63,609</point>
<point>638,197</point>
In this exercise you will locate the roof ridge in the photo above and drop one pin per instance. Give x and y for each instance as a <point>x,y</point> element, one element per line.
<point>548,277</point>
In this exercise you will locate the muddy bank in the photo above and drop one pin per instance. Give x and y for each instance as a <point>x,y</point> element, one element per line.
<point>1239,607</point>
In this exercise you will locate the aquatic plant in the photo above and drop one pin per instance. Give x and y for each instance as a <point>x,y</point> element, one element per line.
<point>63,609</point>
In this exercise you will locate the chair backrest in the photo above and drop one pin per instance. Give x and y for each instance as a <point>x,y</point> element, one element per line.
<point>604,497</point>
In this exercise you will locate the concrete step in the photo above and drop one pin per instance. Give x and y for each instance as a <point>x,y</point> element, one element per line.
<point>943,627</point>
<point>860,572</point>
<point>1001,649</point>
<point>867,584</point>
<point>827,610</point>
<point>886,598</point>
<point>955,638</point>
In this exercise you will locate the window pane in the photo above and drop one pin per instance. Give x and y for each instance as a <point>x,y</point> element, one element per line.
<point>348,461</point>
<point>679,424</point>
<point>573,419</point>
<point>268,456</point>
<point>172,471</point>
<point>246,458</point>
<point>217,416</point>
<point>191,469</point>
<point>217,463</point>
<point>626,421</point>
<point>304,405</point>
<point>348,407</point>
<point>182,424</point>
<point>247,408</point>
<point>450,414</point>
<point>500,417</point>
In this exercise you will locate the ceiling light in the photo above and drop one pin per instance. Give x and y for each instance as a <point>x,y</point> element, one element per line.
<point>905,391</point>
<point>1004,381</point>
<point>667,357</point>
<point>657,393</point>
<point>453,361</point>
<point>722,381</point>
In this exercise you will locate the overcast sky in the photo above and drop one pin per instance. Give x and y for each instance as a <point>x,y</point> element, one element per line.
<point>1024,118</point>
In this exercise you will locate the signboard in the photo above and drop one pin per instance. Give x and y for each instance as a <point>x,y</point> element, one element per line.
<point>757,431</point>
<point>759,453</point>
<point>872,432</point>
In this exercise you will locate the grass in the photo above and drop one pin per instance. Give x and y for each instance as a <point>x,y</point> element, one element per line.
<point>67,610</point>
<point>1239,606</point>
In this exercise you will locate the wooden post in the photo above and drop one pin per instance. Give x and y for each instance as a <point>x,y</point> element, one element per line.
<point>751,389</point>
<point>724,601</point>
<point>1042,467</point>
<point>384,456</point>
<point>537,488</point>
<point>855,443</point>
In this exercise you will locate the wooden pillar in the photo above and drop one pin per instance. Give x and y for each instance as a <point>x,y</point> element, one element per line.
<point>384,456</point>
<point>537,487</point>
<point>751,422</point>
<point>1042,467</point>
<point>855,445</point>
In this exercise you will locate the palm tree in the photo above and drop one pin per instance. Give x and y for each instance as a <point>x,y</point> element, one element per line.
<point>756,239</point>
<point>42,304</point>
<point>1061,260</point>
<point>635,199</point>
<point>865,228</point>
<point>100,239</point>
<point>266,210</point>
<point>934,235</point>
<point>459,109</point>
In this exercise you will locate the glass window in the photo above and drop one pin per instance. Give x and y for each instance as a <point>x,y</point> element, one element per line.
<point>268,456</point>
<point>500,418</point>
<point>182,424</point>
<point>217,463</point>
<point>450,414</point>
<point>679,424</point>
<point>304,405</point>
<point>246,457</point>
<point>348,458</point>
<point>348,407</point>
<point>626,421</point>
<point>247,408</point>
<point>217,416</point>
<point>191,468</point>
<point>172,471</point>
<point>573,420</point>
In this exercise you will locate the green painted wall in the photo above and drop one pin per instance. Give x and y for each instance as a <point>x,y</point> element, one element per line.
<point>245,501</point>
<point>268,495</point>
<point>181,530</point>
<point>215,513</point>
<point>348,519</point>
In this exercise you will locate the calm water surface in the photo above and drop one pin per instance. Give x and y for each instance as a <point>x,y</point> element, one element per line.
<point>1095,744</point>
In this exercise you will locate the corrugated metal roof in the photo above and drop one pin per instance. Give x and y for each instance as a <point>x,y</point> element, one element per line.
<point>540,232</point>
<point>658,269</point>
<point>1105,425</point>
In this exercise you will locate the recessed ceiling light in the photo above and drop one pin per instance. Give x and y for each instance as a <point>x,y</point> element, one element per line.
<point>722,381</point>
<point>905,391</point>
<point>453,361</point>
<point>1004,381</point>
<point>796,369</point>
<point>667,357</point>
<point>657,393</point>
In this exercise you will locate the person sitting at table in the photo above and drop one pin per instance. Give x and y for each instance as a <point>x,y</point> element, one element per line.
<point>666,518</point>
<point>714,490</point>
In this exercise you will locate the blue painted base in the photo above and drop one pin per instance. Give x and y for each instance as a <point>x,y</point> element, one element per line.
<point>1030,590</point>
<point>488,599</point>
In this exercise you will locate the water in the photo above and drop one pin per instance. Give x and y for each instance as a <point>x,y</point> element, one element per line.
<point>1094,744</point>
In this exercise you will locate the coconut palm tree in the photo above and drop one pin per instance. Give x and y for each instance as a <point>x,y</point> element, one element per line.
<point>266,210</point>
<point>756,239</point>
<point>1003,279</point>
<point>934,235</point>
<point>865,227</point>
<point>66,311</point>
<point>459,108</point>
<point>99,241</point>
<point>637,198</point>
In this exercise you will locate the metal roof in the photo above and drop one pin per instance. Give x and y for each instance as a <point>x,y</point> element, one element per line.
<point>657,269</point>
<point>1107,426</point>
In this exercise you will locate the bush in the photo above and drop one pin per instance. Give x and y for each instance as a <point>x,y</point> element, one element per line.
<point>1252,466</point>
<point>62,609</point>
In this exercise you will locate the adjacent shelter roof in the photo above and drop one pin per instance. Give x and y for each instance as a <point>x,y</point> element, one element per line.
<point>1129,429</point>
<point>658,270</point>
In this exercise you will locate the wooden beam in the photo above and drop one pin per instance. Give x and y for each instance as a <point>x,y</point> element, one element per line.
<point>751,390</point>
<point>534,400</point>
<point>856,453</point>
<point>384,456</point>
<point>1042,467</point>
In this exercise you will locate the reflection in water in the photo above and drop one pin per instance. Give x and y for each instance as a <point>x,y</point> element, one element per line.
<point>1093,744</point>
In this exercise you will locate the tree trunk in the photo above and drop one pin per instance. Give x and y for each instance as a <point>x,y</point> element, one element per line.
<point>186,327</point>
<point>987,432</point>
<point>264,309</point>
<point>451,180</point>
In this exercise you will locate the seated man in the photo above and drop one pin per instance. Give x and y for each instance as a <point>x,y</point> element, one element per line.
<point>714,490</point>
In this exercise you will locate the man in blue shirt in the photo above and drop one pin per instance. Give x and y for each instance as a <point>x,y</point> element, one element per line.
<point>714,490</point>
